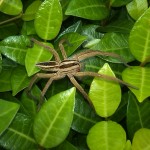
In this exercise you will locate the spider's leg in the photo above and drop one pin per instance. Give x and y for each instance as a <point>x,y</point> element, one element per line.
<point>79,87</point>
<point>61,47</point>
<point>106,77</point>
<point>49,82</point>
<point>53,51</point>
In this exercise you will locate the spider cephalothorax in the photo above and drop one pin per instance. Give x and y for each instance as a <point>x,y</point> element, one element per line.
<point>70,67</point>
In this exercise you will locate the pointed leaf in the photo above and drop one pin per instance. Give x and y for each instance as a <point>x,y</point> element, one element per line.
<point>50,14</point>
<point>53,121</point>
<point>137,115</point>
<point>19,134</point>
<point>8,111</point>
<point>93,10</point>
<point>35,55</point>
<point>141,140</point>
<point>31,10</point>
<point>139,39</point>
<point>118,3</point>
<point>14,47</point>
<point>136,8</point>
<point>106,135</point>
<point>128,145</point>
<point>13,7</point>
<point>139,77</point>
<point>19,80</point>
<point>105,95</point>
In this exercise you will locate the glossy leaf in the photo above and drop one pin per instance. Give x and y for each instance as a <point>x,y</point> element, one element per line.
<point>139,39</point>
<point>104,94</point>
<point>137,115</point>
<point>138,77</point>
<point>31,11</point>
<point>50,14</point>
<point>118,3</point>
<point>53,121</point>
<point>14,47</point>
<point>141,140</point>
<point>13,7</point>
<point>93,10</point>
<point>8,111</point>
<point>19,80</point>
<point>19,134</point>
<point>115,43</point>
<point>106,135</point>
<point>75,40</point>
<point>136,8</point>
<point>35,55</point>
<point>84,116</point>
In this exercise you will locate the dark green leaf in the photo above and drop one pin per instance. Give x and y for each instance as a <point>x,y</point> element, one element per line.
<point>118,3</point>
<point>137,115</point>
<point>93,10</point>
<point>8,111</point>
<point>50,14</point>
<point>15,47</point>
<point>19,79</point>
<point>19,134</point>
<point>53,121</point>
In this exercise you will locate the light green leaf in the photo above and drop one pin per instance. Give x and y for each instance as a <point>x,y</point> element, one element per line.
<point>19,79</point>
<point>53,121</point>
<point>11,7</point>
<point>31,11</point>
<point>35,55</point>
<point>50,14</point>
<point>19,134</point>
<point>104,94</point>
<point>137,115</point>
<point>106,135</point>
<point>139,40</point>
<point>0,62</point>
<point>138,77</point>
<point>128,145</point>
<point>14,47</point>
<point>136,8</point>
<point>93,10</point>
<point>141,140</point>
<point>8,111</point>
<point>116,43</point>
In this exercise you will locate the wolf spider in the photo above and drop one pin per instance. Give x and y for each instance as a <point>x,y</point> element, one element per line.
<point>70,67</point>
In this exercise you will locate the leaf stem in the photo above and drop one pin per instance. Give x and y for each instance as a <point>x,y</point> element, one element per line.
<point>11,19</point>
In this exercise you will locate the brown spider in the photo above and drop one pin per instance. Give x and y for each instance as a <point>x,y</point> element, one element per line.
<point>70,67</point>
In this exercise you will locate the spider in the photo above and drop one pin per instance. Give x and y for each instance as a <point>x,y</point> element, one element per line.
<point>70,67</point>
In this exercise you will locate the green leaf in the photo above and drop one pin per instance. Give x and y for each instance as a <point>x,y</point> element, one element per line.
<point>137,115</point>
<point>141,140</point>
<point>106,135</point>
<point>35,55</point>
<point>115,43</point>
<point>93,10</point>
<point>53,121</point>
<point>74,39</point>
<point>84,116</point>
<point>8,111</point>
<point>128,145</point>
<point>19,134</point>
<point>0,62</point>
<point>19,79</point>
<point>104,94</point>
<point>31,11</point>
<point>118,3</point>
<point>13,7</point>
<point>5,77</point>
<point>136,8</point>
<point>138,77</point>
<point>14,47</point>
<point>139,39</point>
<point>50,14</point>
